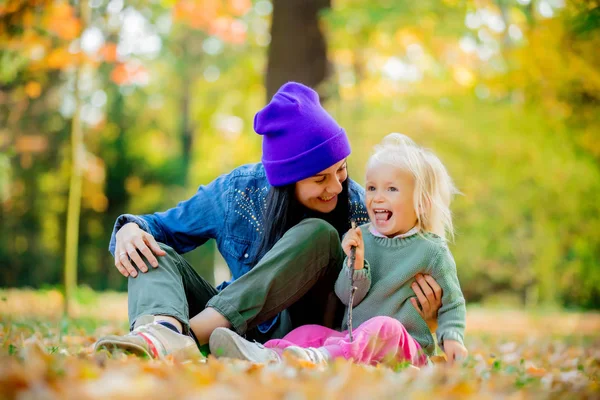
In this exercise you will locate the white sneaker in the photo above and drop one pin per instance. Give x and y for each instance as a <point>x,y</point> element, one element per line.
<point>224,342</point>
<point>151,339</point>
<point>312,354</point>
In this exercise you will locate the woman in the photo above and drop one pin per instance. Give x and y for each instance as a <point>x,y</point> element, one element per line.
<point>277,224</point>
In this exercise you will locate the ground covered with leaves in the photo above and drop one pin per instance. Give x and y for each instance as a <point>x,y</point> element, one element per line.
<point>513,354</point>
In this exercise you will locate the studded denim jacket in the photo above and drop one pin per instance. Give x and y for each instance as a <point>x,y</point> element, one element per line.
<point>229,210</point>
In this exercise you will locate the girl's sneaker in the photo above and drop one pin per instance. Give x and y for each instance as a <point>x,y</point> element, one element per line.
<point>224,342</point>
<point>312,354</point>
<point>153,340</point>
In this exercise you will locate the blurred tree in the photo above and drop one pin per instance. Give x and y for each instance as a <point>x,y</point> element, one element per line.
<point>35,36</point>
<point>77,164</point>
<point>298,51</point>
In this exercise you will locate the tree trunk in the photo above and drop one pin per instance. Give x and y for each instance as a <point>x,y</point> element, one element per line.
<point>185,127</point>
<point>117,172</point>
<point>298,51</point>
<point>74,205</point>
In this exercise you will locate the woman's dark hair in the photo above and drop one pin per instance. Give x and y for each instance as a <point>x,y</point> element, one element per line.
<point>283,211</point>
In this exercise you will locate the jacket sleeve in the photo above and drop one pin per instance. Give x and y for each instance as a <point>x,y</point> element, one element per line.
<point>358,210</point>
<point>188,225</point>
<point>452,314</point>
<point>362,281</point>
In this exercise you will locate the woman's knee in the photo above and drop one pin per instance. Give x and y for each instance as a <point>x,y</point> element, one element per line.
<point>318,229</point>
<point>163,261</point>
<point>168,249</point>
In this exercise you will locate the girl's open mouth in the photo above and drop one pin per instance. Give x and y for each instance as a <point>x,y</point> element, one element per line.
<point>382,215</point>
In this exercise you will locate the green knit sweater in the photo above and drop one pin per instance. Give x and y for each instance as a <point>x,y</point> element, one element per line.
<point>383,286</point>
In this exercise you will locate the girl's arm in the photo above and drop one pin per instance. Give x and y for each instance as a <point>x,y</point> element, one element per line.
<point>362,281</point>
<point>452,314</point>
<point>353,241</point>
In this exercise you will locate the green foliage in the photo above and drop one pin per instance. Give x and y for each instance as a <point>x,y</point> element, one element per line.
<point>513,113</point>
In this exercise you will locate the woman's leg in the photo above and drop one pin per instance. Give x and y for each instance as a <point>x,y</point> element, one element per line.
<point>168,293</point>
<point>309,253</point>
<point>380,339</point>
<point>174,289</point>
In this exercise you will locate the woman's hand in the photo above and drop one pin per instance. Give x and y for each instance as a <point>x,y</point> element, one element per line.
<point>354,239</point>
<point>454,351</point>
<point>429,297</point>
<point>130,238</point>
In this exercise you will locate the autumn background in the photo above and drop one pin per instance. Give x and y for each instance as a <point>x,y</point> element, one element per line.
<point>108,107</point>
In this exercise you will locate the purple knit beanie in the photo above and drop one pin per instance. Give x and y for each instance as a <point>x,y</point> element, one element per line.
<point>300,139</point>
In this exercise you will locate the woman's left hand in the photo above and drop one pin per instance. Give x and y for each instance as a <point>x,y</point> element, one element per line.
<point>429,297</point>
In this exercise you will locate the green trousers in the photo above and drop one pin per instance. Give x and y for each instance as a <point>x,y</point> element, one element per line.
<point>295,278</point>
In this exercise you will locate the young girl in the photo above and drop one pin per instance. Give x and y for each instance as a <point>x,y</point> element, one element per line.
<point>408,193</point>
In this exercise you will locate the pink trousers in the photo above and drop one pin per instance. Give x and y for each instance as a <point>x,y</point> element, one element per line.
<point>380,339</point>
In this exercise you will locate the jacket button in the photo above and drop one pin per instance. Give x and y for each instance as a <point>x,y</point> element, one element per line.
<point>246,255</point>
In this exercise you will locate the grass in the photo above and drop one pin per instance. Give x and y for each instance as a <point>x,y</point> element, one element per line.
<point>512,353</point>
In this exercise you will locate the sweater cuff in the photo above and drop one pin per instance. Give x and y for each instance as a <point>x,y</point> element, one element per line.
<point>450,335</point>
<point>360,274</point>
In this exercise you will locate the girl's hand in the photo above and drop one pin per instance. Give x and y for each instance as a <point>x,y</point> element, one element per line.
<point>131,238</point>
<point>354,238</point>
<point>454,351</point>
<point>429,297</point>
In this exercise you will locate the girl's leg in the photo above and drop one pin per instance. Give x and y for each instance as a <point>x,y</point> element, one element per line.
<point>304,336</point>
<point>309,253</point>
<point>380,339</point>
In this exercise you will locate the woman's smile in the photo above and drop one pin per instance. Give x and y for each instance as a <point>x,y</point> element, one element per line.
<point>327,199</point>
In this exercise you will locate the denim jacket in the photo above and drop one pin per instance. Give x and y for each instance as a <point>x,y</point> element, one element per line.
<point>229,210</point>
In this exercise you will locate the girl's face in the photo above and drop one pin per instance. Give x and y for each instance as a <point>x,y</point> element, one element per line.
<point>320,192</point>
<point>389,198</point>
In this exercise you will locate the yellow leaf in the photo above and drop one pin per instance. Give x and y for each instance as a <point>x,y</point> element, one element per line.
<point>33,89</point>
<point>533,371</point>
<point>59,59</point>
<point>463,388</point>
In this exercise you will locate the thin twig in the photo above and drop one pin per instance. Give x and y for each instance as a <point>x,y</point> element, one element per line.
<point>353,290</point>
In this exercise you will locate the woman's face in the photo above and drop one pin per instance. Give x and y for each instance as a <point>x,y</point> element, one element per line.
<point>320,192</point>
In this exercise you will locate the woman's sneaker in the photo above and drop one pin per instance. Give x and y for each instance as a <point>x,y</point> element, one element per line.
<point>312,354</point>
<point>224,342</point>
<point>151,339</point>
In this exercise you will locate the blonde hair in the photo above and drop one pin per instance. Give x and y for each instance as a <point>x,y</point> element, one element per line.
<point>433,185</point>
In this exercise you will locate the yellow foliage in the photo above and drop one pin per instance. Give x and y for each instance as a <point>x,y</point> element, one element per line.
<point>463,76</point>
<point>239,7</point>
<point>59,58</point>
<point>108,52</point>
<point>33,89</point>
<point>214,16</point>
<point>61,20</point>
<point>406,37</point>
<point>342,57</point>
